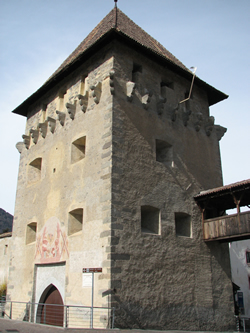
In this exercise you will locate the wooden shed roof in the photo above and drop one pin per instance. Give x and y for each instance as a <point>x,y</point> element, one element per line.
<point>222,197</point>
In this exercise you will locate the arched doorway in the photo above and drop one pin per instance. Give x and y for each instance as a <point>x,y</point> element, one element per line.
<point>50,310</point>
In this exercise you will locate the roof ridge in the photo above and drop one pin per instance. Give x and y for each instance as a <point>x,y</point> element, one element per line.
<point>147,40</point>
<point>119,21</point>
<point>91,38</point>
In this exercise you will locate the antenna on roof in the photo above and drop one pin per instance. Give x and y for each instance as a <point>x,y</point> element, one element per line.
<point>115,13</point>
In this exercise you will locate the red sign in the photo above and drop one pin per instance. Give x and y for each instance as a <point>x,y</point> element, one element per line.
<point>92,270</point>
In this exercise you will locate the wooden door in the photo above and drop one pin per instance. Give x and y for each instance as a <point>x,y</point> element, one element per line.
<point>52,310</point>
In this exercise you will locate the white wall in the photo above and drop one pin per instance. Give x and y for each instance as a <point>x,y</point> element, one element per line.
<point>4,257</point>
<point>240,270</point>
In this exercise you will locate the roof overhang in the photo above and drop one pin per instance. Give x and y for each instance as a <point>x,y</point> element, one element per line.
<point>223,198</point>
<point>214,95</point>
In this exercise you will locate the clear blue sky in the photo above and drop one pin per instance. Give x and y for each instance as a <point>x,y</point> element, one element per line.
<point>213,35</point>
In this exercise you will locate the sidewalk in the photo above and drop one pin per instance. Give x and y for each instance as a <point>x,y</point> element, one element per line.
<point>13,326</point>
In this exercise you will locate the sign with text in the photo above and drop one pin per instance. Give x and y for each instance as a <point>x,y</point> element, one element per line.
<point>92,270</point>
<point>87,280</point>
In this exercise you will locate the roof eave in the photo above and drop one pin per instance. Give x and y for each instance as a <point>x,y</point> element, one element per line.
<point>214,95</point>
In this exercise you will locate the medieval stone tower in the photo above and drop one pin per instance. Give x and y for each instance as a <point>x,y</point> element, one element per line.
<point>109,165</point>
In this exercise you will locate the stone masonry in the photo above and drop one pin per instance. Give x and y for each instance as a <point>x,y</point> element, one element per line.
<point>109,165</point>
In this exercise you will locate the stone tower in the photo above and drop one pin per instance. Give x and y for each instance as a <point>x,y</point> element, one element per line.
<point>110,163</point>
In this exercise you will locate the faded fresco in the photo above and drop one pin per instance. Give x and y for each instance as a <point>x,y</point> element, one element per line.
<point>51,243</point>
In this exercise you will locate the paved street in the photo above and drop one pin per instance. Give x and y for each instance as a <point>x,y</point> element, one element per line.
<point>13,326</point>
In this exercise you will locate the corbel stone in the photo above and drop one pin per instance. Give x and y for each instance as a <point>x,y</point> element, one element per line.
<point>160,105</point>
<point>52,124</point>
<point>111,82</point>
<point>174,113</point>
<point>220,131</point>
<point>43,129</point>
<point>34,134</point>
<point>185,116</point>
<point>83,101</point>
<point>26,140</point>
<point>209,125</point>
<point>146,99</point>
<point>198,121</point>
<point>71,108</point>
<point>96,92</point>
<point>130,90</point>
<point>20,146</point>
<point>61,117</point>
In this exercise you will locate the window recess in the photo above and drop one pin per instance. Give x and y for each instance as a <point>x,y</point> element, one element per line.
<point>183,226</point>
<point>150,220</point>
<point>75,221</point>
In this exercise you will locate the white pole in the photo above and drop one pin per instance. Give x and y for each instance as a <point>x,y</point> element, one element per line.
<point>92,301</point>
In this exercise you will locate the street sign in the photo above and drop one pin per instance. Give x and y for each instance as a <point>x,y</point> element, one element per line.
<point>87,283</point>
<point>92,270</point>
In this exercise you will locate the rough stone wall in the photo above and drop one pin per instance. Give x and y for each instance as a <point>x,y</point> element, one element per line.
<point>65,184</point>
<point>161,280</point>
<point>158,280</point>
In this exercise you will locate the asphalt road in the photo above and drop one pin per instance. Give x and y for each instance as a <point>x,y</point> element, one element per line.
<point>13,326</point>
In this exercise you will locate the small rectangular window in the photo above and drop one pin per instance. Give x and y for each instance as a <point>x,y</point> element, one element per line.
<point>75,221</point>
<point>34,170</point>
<point>164,152</point>
<point>31,232</point>
<point>183,225</point>
<point>78,149</point>
<point>150,220</point>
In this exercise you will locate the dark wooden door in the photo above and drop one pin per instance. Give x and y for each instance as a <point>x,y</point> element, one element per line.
<point>52,311</point>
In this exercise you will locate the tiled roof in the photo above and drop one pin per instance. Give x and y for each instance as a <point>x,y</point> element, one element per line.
<point>226,188</point>
<point>223,198</point>
<point>117,20</point>
<point>6,234</point>
<point>119,24</point>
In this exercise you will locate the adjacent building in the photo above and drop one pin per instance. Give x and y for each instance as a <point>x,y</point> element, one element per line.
<point>240,266</point>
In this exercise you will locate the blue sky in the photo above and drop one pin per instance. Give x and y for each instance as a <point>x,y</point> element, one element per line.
<point>213,35</point>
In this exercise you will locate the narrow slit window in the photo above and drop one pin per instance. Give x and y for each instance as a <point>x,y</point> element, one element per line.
<point>183,226</point>
<point>248,257</point>
<point>31,232</point>
<point>34,170</point>
<point>150,220</point>
<point>75,221</point>
<point>164,152</point>
<point>78,149</point>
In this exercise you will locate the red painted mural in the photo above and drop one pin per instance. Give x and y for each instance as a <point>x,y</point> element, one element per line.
<point>51,242</point>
